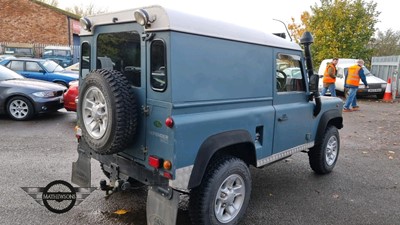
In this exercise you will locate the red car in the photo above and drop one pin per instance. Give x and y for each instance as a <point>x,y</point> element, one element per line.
<point>71,95</point>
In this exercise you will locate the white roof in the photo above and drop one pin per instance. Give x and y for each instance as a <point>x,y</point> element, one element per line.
<point>170,19</point>
<point>57,47</point>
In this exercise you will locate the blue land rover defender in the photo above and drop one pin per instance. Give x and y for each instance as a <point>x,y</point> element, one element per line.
<point>190,104</point>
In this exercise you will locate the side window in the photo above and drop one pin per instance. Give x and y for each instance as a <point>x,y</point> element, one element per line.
<point>158,77</point>
<point>289,74</point>
<point>16,65</point>
<point>85,59</point>
<point>120,51</point>
<point>33,67</point>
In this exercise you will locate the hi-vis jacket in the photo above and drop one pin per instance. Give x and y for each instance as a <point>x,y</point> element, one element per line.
<point>353,76</point>
<point>327,76</point>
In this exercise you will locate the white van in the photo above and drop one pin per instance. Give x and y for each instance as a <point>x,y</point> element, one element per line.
<point>376,86</point>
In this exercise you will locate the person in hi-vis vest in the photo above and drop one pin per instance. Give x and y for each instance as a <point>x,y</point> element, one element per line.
<point>353,76</point>
<point>330,78</point>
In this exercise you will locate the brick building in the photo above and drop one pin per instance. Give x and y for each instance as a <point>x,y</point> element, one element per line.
<point>30,21</point>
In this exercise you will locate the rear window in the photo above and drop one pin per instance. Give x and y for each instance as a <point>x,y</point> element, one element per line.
<point>120,51</point>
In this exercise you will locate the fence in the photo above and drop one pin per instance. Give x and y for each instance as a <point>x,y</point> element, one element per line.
<point>386,67</point>
<point>38,49</point>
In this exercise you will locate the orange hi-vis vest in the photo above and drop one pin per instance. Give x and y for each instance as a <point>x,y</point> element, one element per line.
<point>353,78</point>
<point>327,78</point>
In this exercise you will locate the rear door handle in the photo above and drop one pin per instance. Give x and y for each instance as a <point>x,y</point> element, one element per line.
<point>284,117</point>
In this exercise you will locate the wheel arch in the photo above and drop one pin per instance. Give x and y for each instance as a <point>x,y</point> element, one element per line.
<point>7,99</point>
<point>238,143</point>
<point>62,82</point>
<point>331,117</point>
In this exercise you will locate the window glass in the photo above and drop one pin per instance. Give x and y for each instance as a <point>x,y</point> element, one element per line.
<point>85,59</point>
<point>16,65</point>
<point>33,67</point>
<point>120,51</point>
<point>289,73</point>
<point>158,78</point>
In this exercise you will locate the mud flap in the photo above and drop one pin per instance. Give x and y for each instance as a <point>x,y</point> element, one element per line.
<point>161,209</point>
<point>81,170</point>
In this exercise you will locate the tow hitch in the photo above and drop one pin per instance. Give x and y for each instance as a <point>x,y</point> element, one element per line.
<point>119,185</point>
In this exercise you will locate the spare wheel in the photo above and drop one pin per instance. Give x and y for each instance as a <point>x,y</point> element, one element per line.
<point>107,111</point>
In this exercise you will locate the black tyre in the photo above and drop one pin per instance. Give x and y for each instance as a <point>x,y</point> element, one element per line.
<point>107,111</point>
<point>380,96</point>
<point>223,195</point>
<point>323,156</point>
<point>20,108</point>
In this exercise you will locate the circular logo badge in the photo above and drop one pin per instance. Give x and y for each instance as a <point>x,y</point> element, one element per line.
<point>59,196</point>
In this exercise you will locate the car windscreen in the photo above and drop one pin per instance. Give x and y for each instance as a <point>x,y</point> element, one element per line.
<point>52,66</point>
<point>7,74</point>
<point>57,52</point>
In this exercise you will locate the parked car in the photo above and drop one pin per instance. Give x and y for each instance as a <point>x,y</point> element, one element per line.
<point>42,69</point>
<point>3,57</point>
<point>22,98</point>
<point>59,54</point>
<point>19,49</point>
<point>376,86</point>
<point>73,67</point>
<point>71,96</point>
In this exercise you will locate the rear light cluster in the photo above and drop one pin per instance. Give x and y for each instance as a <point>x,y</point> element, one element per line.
<point>158,163</point>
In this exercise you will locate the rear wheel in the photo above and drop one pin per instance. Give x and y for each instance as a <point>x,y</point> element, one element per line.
<point>20,108</point>
<point>323,156</point>
<point>223,195</point>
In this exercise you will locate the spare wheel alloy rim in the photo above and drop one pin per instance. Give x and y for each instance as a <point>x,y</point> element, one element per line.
<point>95,112</point>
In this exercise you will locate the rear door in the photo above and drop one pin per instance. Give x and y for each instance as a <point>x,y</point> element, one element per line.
<point>294,112</point>
<point>121,48</point>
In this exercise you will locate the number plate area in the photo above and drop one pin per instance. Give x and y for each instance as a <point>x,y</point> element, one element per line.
<point>375,90</point>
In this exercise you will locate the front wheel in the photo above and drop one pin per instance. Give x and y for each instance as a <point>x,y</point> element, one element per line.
<point>223,195</point>
<point>323,156</point>
<point>20,108</point>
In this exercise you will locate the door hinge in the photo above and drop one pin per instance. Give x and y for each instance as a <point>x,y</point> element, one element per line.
<point>145,110</point>
<point>144,149</point>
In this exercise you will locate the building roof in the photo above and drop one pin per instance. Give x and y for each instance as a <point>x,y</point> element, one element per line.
<point>69,14</point>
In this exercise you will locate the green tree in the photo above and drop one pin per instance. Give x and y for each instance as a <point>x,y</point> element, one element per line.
<point>341,28</point>
<point>297,30</point>
<point>386,43</point>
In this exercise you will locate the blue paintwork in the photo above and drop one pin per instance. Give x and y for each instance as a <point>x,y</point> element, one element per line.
<point>58,75</point>
<point>219,80</point>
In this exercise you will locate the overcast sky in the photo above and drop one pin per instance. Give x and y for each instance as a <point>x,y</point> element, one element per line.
<point>255,13</point>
